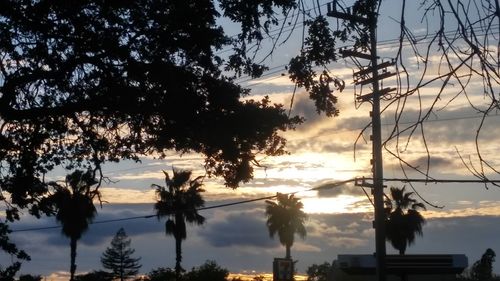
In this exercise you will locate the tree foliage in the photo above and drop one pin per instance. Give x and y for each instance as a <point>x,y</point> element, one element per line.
<point>10,248</point>
<point>118,257</point>
<point>210,270</point>
<point>404,220</point>
<point>29,277</point>
<point>482,270</point>
<point>286,218</point>
<point>318,272</point>
<point>96,275</point>
<point>161,274</point>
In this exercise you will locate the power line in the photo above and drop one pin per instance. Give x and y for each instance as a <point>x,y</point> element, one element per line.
<point>384,43</point>
<point>317,188</point>
<point>343,130</point>
<point>321,187</point>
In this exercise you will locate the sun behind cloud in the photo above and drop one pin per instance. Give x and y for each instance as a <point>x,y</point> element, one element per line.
<point>341,204</point>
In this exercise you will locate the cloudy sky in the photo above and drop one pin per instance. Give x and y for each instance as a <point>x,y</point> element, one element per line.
<point>322,150</point>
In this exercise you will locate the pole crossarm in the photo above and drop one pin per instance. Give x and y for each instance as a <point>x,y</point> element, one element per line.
<point>433,180</point>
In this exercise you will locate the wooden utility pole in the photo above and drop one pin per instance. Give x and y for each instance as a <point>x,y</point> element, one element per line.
<point>377,164</point>
<point>378,168</point>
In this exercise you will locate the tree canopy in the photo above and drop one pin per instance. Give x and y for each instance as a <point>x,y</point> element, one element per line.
<point>319,272</point>
<point>83,83</point>
<point>87,82</point>
<point>482,270</point>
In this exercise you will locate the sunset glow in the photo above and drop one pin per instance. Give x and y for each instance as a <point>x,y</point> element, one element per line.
<point>336,205</point>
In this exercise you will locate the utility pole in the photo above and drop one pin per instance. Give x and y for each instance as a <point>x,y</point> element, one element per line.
<point>378,168</point>
<point>361,79</point>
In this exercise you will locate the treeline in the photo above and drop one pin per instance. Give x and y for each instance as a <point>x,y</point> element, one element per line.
<point>210,270</point>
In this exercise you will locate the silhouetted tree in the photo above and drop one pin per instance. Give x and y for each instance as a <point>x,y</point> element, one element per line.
<point>404,220</point>
<point>95,276</point>
<point>319,272</point>
<point>482,270</point>
<point>161,274</point>
<point>29,277</point>
<point>118,257</point>
<point>210,270</point>
<point>178,201</point>
<point>74,207</point>
<point>286,218</point>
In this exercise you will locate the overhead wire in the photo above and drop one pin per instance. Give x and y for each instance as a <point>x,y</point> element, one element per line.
<point>325,186</point>
<point>383,43</point>
<point>317,188</point>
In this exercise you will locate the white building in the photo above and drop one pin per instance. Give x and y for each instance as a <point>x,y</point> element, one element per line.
<point>413,267</point>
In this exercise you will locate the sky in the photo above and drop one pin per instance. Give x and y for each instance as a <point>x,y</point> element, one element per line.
<point>322,150</point>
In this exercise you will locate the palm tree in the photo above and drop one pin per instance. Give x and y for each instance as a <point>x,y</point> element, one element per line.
<point>178,202</point>
<point>285,217</point>
<point>74,207</point>
<point>404,221</point>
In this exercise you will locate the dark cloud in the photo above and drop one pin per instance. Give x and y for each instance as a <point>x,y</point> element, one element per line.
<point>336,147</point>
<point>346,189</point>
<point>446,126</point>
<point>449,126</point>
<point>434,161</point>
<point>304,106</point>
<point>317,145</point>
<point>467,235</point>
<point>349,123</point>
<point>439,163</point>
<point>267,88</point>
<point>239,229</point>
<point>98,232</point>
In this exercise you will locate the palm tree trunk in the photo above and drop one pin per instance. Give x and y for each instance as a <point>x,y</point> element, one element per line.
<point>403,276</point>
<point>73,258</point>
<point>178,258</point>
<point>288,256</point>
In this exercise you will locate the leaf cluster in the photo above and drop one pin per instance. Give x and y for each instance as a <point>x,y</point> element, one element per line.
<point>319,50</point>
<point>178,200</point>
<point>404,221</point>
<point>318,272</point>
